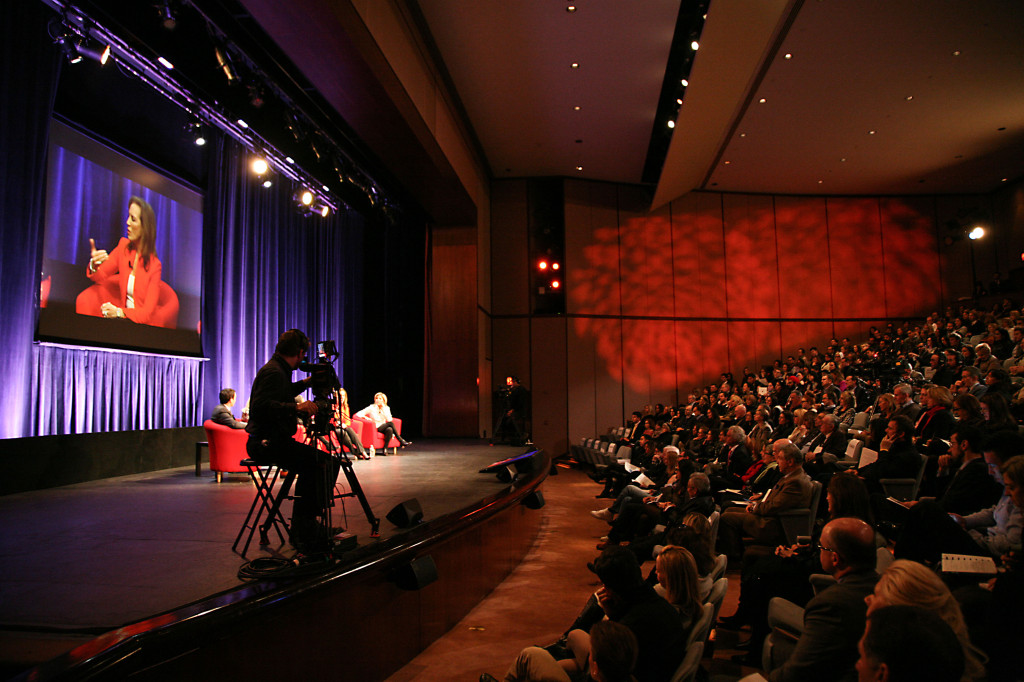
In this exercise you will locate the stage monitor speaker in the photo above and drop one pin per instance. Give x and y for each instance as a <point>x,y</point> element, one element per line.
<point>417,574</point>
<point>534,500</point>
<point>406,514</point>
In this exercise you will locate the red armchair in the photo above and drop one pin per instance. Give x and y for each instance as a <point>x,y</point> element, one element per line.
<point>372,437</point>
<point>227,448</point>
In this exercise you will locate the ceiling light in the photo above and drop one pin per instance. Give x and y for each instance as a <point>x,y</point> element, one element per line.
<point>977,233</point>
<point>579,168</point>
<point>325,210</point>
<point>101,56</point>
<point>289,159</point>
<point>225,64</point>
<point>242,123</point>
<point>268,183</point>
<point>166,64</point>
<point>543,265</point>
<point>909,97</point>
<point>570,8</point>
<point>743,134</point>
<point>167,17</point>
<point>956,53</point>
<point>576,108</point>
<point>694,45</point>
<point>555,284</point>
<point>671,124</point>
<point>326,188</point>
<point>871,132</point>
<point>685,83</point>
<point>260,166</point>
<point>554,266</point>
<point>789,55</point>
<point>727,163</point>
<point>762,100</point>
<point>575,65</point>
<point>304,197</point>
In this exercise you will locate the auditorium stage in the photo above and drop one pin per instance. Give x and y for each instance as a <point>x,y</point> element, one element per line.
<point>87,558</point>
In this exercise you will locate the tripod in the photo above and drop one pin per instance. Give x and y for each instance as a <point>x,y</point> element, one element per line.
<point>319,436</point>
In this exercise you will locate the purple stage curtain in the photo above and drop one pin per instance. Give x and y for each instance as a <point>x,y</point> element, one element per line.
<point>81,390</point>
<point>267,269</point>
<point>29,67</point>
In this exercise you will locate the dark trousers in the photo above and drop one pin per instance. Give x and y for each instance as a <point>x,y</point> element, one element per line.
<point>389,430</point>
<point>350,439</point>
<point>316,474</point>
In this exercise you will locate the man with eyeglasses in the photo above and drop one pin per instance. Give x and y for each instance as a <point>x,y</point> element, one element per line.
<point>830,626</point>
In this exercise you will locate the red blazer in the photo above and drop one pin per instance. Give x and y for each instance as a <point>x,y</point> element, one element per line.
<point>147,281</point>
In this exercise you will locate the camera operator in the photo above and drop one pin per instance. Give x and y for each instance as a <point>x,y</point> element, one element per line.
<point>512,420</point>
<point>272,423</point>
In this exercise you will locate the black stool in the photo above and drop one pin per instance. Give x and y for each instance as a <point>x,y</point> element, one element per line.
<point>265,501</point>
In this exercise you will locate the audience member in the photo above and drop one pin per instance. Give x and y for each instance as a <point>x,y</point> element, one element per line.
<point>907,644</point>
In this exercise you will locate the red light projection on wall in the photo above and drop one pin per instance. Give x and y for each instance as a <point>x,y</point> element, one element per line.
<point>738,281</point>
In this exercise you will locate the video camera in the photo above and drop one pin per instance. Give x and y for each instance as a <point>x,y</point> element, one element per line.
<point>325,385</point>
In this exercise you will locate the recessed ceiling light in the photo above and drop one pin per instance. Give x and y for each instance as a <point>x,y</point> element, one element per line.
<point>909,97</point>
<point>820,182</point>
<point>671,124</point>
<point>743,134</point>
<point>762,100</point>
<point>956,53</point>
<point>242,123</point>
<point>843,159</point>
<point>684,83</point>
<point>166,64</point>
<point>575,65</point>
<point>289,159</point>
<point>1003,180</point>
<point>871,132</point>
<point>789,56</point>
<point>576,108</point>
<point>728,162</point>
<point>326,188</point>
<point>579,168</point>
<point>268,183</point>
<point>679,101</point>
<point>570,8</point>
<point>694,45</point>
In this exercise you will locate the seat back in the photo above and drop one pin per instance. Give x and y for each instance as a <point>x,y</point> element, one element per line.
<point>717,596</point>
<point>701,629</point>
<point>718,570</point>
<point>797,522</point>
<point>860,421</point>
<point>905,488</point>
<point>713,520</point>
<point>227,447</point>
<point>687,670</point>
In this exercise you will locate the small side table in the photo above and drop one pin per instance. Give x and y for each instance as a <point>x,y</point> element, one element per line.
<point>199,456</point>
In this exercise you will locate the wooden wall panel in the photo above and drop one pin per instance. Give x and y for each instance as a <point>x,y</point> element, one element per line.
<point>510,290</point>
<point>582,367</point>
<point>913,281</point>
<point>548,386</point>
<point>511,345</point>
<point>707,221</point>
<point>644,254</point>
<point>751,262</point>
<point>686,290</point>
<point>855,253</point>
<point>452,405</point>
<point>805,284</point>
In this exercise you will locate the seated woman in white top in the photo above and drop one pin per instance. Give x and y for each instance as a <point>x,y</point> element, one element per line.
<point>380,414</point>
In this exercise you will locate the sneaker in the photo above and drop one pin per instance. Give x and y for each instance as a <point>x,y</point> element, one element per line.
<point>603,514</point>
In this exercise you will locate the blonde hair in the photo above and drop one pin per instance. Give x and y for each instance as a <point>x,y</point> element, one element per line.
<point>910,583</point>
<point>940,395</point>
<point>679,570</point>
<point>383,397</point>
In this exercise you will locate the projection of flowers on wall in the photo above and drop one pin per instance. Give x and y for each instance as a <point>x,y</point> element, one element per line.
<point>673,302</point>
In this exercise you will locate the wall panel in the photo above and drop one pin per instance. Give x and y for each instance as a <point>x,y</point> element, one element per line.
<point>510,291</point>
<point>548,384</point>
<point>913,281</point>
<point>855,250</point>
<point>805,283</point>
<point>751,262</point>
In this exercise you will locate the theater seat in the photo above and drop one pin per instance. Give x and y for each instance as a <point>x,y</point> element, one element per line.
<point>227,448</point>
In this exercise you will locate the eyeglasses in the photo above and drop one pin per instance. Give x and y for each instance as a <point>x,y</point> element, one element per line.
<point>823,548</point>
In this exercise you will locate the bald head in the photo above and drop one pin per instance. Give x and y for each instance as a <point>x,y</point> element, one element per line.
<point>852,540</point>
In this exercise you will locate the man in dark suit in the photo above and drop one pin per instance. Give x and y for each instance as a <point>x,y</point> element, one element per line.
<point>733,461</point>
<point>905,405</point>
<point>222,414</point>
<point>760,519</point>
<point>897,457</point>
<point>833,621</point>
<point>830,440</point>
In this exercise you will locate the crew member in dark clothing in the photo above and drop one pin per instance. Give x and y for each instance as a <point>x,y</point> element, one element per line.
<point>272,422</point>
<point>512,421</point>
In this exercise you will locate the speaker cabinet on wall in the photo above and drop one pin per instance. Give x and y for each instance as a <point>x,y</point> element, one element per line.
<point>406,514</point>
<point>417,574</point>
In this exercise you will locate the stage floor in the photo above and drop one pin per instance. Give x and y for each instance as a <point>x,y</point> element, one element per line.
<point>94,556</point>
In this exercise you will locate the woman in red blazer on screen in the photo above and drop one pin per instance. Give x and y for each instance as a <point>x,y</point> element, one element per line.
<point>127,279</point>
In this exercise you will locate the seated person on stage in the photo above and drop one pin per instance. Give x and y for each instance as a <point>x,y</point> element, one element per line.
<point>346,434</point>
<point>759,519</point>
<point>222,413</point>
<point>613,654</point>
<point>908,643</point>
<point>833,621</point>
<point>272,423</point>
<point>380,414</point>
<point>897,456</point>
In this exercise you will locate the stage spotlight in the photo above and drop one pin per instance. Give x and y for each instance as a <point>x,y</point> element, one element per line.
<point>101,56</point>
<point>303,197</point>
<point>555,284</point>
<point>325,211</point>
<point>977,233</point>
<point>555,266</point>
<point>268,183</point>
<point>225,64</point>
<point>167,17</point>
<point>260,166</point>
<point>195,131</point>
<point>543,265</point>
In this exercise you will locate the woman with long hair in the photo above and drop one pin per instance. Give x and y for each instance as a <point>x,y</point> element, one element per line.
<point>380,414</point>
<point>678,581</point>
<point>343,421</point>
<point>911,583</point>
<point>126,280</point>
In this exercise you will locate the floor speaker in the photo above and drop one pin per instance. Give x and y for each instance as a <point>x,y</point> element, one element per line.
<point>406,514</point>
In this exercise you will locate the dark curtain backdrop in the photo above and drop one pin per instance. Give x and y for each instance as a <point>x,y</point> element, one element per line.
<point>29,67</point>
<point>268,269</point>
